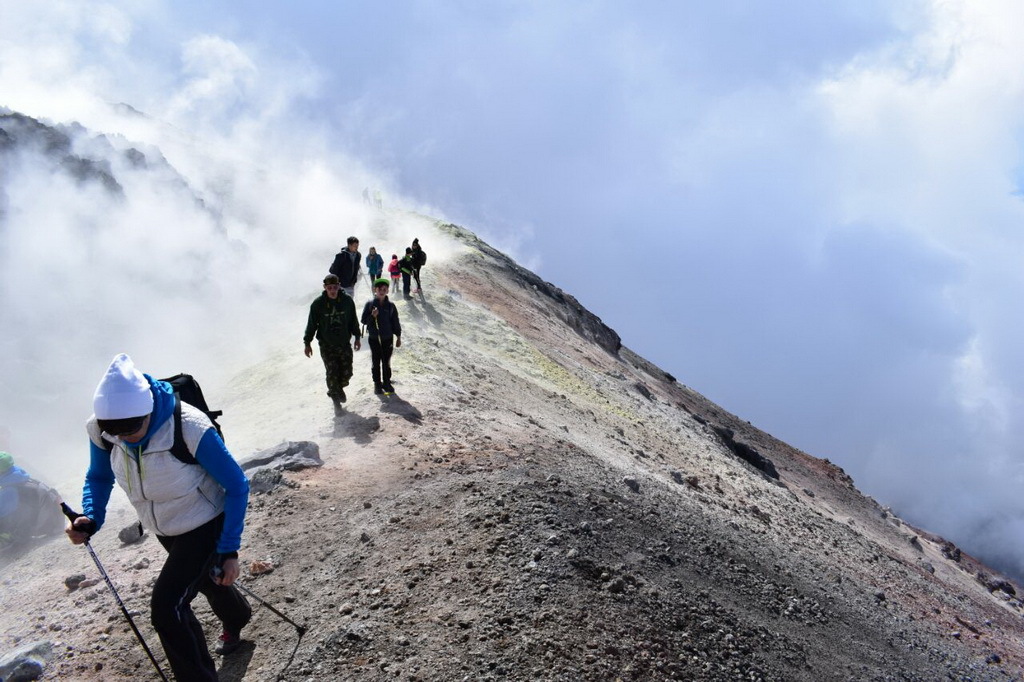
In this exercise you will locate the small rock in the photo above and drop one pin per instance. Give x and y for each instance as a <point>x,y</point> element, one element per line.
<point>631,483</point>
<point>259,567</point>
<point>141,564</point>
<point>129,535</point>
<point>72,582</point>
<point>265,480</point>
<point>993,659</point>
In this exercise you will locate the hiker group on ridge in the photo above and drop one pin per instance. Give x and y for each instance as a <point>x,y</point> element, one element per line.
<point>332,316</point>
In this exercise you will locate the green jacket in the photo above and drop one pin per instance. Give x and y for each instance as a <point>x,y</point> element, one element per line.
<point>333,321</point>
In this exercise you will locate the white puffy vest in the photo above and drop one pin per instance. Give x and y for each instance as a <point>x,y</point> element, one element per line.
<point>170,497</point>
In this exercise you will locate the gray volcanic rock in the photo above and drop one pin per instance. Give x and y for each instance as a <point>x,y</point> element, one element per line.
<point>287,456</point>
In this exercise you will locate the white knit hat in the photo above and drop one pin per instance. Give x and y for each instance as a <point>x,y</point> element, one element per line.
<point>123,392</point>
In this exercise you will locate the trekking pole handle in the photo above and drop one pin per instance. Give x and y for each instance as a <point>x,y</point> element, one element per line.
<point>89,528</point>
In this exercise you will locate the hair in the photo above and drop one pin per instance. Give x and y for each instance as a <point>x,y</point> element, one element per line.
<point>353,240</point>
<point>408,249</point>
<point>373,248</point>
<point>332,279</point>
<point>394,255</point>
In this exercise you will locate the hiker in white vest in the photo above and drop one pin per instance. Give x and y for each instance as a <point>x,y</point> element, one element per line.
<point>196,509</point>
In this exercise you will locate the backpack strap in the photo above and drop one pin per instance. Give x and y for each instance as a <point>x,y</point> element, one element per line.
<point>179,448</point>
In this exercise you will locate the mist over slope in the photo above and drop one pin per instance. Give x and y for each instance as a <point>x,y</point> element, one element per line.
<point>537,502</point>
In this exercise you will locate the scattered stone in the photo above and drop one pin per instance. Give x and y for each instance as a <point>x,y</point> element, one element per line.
<point>808,492</point>
<point>259,567</point>
<point>72,582</point>
<point>950,551</point>
<point>288,456</point>
<point>364,537</point>
<point>693,482</point>
<point>677,476</point>
<point>141,564</point>
<point>631,483</point>
<point>993,659</point>
<point>131,534</point>
<point>915,542</point>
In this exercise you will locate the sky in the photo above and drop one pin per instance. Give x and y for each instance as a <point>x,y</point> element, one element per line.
<point>809,212</point>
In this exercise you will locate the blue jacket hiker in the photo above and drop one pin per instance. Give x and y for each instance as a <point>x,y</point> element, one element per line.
<point>27,507</point>
<point>384,332</point>
<point>374,265</point>
<point>195,509</point>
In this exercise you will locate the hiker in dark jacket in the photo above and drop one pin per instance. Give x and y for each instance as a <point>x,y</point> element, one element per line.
<point>346,266</point>
<point>332,319</point>
<point>196,510</point>
<point>374,266</point>
<point>406,265</point>
<point>380,316</point>
<point>419,259</point>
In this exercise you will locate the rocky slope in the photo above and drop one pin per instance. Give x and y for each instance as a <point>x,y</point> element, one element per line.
<point>538,502</point>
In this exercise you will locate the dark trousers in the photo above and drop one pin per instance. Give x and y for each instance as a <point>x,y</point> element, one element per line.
<point>406,284</point>
<point>381,356</point>
<point>416,276</point>
<point>186,572</point>
<point>337,367</point>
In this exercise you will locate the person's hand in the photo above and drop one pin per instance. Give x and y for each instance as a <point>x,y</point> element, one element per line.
<point>80,530</point>
<point>398,342</point>
<point>308,351</point>
<point>358,344</point>
<point>374,310</point>
<point>229,572</point>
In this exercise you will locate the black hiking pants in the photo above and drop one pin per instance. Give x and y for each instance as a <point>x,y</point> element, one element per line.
<point>406,283</point>
<point>381,357</point>
<point>186,572</point>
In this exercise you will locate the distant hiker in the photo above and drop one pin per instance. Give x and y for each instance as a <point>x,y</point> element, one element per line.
<point>366,196</point>
<point>378,200</point>
<point>374,266</point>
<point>395,270</point>
<point>195,509</point>
<point>28,508</point>
<point>406,266</point>
<point>419,259</point>
<point>346,266</point>
<point>332,319</point>
<point>382,326</point>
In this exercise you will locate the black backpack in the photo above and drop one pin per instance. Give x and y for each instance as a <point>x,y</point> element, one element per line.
<point>187,389</point>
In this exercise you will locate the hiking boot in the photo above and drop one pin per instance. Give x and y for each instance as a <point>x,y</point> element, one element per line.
<point>229,643</point>
<point>340,398</point>
<point>388,388</point>
<point>378,388</point>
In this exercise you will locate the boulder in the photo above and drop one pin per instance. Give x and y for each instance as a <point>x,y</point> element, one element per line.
<point>25,663</point>
<point>288,456</point>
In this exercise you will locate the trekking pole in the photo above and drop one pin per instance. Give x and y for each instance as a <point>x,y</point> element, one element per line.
<point>72,515</point>
<point>216,573</point>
